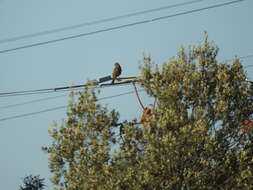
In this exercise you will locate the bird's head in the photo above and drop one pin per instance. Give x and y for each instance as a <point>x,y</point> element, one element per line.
<point>116,64</point>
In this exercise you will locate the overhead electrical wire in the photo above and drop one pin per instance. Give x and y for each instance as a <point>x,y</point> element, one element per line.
<point>50,98</point>
<point>66,88</point>
<point>66,28</point>
<point>53,90</point>
<point>248,66</point>
<point>61,107</point>
<point>120,26</point>
<point>32,101</point>
<point>76,87</point>
<point>38,91</point>
<point>34,93</point>
<point>246,57</point>
<point>242,57</point>
<point>38,100</point>
<point>32,113</point>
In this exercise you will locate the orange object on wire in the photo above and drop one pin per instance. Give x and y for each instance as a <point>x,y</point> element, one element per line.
<point>145,114</point>
<point>246,127</point>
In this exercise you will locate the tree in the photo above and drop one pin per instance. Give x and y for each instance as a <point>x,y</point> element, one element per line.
<point>32,183</point>
<point>192,139</point>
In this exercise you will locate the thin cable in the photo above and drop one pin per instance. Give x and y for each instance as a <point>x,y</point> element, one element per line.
<point>39,92</point>
<point>246,57</point>
<point>248,66</point>
<point>53,90</point>
<point>120,26</point>
<point>39,100</point>
<point>122,94</point>
<point>32,101</point>
<point>33,113</point>
<point>25,91</point>
<point>46,90</point>
<point>242,57</point>
<point>46,32</point>
<point>78,87</point>
<point>61,107</point>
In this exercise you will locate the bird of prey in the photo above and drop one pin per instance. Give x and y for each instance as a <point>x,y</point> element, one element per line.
<point>116,72</point>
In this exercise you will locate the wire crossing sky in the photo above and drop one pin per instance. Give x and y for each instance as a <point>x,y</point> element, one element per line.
<point>77,87</point>
<point>64,89</point>
<point>120,26</point>
<point>46,32</point>
<point>31,101</point>
<point>41,91</point>
<point>61,107</point>
<point>58,89</point>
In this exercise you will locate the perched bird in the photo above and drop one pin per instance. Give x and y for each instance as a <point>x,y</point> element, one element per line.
<point>116,72</point>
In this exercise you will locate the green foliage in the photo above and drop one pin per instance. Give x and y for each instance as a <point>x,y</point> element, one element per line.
<point>193,138</point>
<point>32,183</point>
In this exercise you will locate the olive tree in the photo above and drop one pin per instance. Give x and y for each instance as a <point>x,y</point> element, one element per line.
<point>192,139</point>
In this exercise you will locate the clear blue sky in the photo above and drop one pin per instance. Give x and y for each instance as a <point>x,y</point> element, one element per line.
<point>75,61</point>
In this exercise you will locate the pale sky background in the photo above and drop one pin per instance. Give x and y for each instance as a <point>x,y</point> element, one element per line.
<point>74,61</point>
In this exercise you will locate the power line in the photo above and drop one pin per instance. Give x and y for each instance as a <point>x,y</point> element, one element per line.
<point>249,66</point>
<point>35,93</point>
<point>32,101</point>
<point>59,89</point>
<point>45,91</point>
<point>73,87</point>
<point>119,26</point>
<point>37,100</point>
<point>33,113</point>
<point>46,32</point>
<point>39,91</point>
<point>246,57</point>
<point>242,57</point>
<point>61,107</point>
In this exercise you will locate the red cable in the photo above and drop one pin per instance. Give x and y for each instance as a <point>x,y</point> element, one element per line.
<point>136,92</point>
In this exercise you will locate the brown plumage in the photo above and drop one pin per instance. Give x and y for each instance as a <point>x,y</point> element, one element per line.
<point>116,72</point>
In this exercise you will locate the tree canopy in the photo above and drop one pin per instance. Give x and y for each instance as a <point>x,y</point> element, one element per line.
<point>197,136</point>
